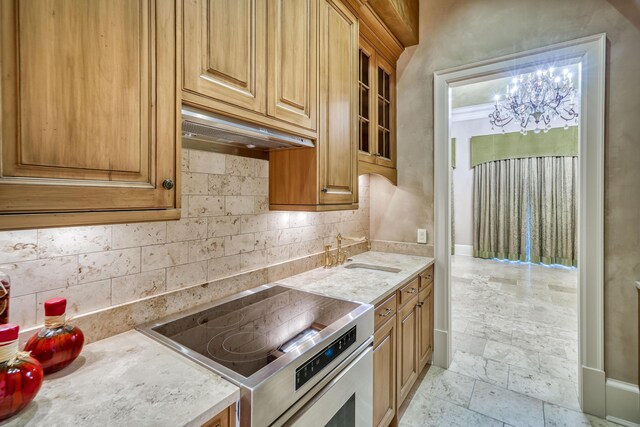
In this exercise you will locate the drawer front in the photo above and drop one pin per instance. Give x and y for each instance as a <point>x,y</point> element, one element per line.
<point>407,292</point>
<point>426,277</point>
<point>384,312</point>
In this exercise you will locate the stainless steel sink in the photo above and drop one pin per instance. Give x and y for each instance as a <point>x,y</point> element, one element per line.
<point>373,267</point>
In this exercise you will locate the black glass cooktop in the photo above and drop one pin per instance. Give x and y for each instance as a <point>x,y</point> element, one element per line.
<point>248,333</point>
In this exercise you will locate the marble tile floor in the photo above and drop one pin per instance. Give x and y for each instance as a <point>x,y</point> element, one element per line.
<point>514,351</point>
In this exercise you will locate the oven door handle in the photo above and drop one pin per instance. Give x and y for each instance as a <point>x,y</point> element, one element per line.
<point>323,387</point>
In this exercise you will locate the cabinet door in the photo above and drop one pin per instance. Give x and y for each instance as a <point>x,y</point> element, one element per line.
<point>425,326</point>
<point>384,373</point>
<point>367,102</point>
<point>292,61</point>
<point>224,51</point>
<point>226,418</point>
<point>88,106</point>
<point>407,349</point>
<point>338,104</point>
<point>386,113</point>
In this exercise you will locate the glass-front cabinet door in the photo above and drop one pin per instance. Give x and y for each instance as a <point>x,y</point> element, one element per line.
<point>376,112</point>
<point>366,107</point>
<point>385,85</point>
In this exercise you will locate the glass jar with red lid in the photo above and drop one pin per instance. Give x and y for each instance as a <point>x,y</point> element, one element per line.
<point>5,287</point>
<point>20,374</point>
<point>58,343</point>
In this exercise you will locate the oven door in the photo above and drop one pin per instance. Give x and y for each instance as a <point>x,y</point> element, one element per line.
<point>345,401</point>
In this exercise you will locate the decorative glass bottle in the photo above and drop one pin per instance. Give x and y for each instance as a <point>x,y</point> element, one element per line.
<point>57,344</point>
<point>5,287</point>
<point>20,374</point>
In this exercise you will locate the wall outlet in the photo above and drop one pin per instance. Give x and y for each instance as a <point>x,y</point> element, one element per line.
<point>422,235</point>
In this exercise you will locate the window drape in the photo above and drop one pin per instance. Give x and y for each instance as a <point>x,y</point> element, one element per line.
<point>524,210</point>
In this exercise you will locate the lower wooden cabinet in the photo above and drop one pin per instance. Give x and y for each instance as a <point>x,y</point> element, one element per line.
<point>384,369</point>
<point>402,345</point>
<point>226,418</point>
<point>407,348</point>
<point>425,325</point>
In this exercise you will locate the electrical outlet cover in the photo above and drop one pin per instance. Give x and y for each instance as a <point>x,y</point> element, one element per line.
<point>422,235</point>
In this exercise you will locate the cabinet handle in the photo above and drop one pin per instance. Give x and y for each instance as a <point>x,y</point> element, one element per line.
<point>167,184</point>
<point>386,313</point>
<point>412,291</point>
<point>420,304</point>
<point>325,190</point>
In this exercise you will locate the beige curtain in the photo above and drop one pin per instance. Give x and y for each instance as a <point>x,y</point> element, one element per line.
<point>524,209</point>
<point>553,210</point>
<point>499,210</point>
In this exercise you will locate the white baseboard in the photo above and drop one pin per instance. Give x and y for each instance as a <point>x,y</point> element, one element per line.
<point>440,357</point>
<point>464,250</point>
<point>623,403</point>
<point>594,392</point>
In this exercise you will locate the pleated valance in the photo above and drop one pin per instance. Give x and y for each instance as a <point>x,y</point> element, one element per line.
<point>556,142</point>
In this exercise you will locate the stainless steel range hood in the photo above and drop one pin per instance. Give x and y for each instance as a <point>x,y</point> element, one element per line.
<point>215,132</point>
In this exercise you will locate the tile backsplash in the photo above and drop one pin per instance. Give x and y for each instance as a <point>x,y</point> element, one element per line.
<point>226,228</point>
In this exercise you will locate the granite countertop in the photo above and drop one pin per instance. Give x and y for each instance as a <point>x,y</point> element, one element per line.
<point>128,379</point>
<point>359,284</point>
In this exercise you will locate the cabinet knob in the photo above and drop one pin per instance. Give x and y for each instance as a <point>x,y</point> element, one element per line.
<point>168,184</point>
<point>325,190</point>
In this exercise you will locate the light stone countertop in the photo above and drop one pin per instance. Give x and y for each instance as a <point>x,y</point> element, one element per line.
<point>128,380</point>
<point>359,284</point>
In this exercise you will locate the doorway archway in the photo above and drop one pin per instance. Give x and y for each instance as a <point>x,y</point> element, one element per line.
<point>590,52</point>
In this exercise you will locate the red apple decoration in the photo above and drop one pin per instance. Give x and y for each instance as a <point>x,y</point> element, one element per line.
<point>20,374</point>
<point>57,344</point>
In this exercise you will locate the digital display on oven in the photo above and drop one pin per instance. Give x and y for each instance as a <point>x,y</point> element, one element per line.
<point>307,371</point>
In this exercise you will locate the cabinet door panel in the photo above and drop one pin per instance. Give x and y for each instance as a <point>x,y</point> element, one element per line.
<point>224,51</point>
<point>384,373</point>
<point>338,105</point>
<point>425,333</point>
<point>88,105</point>
<point>292,56</point>
<point>407,349</point>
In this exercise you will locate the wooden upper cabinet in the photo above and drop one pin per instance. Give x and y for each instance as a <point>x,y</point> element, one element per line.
<point>256,60</point>
<point>386,117</point>
<point>224,54</point>
<point>325,177</point>
<point>338,104</point>
<point>292,61</point>
<point>89,109</point>
<point>366,103</point>
<point>377,106</point>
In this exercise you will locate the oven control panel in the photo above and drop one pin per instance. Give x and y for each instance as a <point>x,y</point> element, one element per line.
<point>307,371</point>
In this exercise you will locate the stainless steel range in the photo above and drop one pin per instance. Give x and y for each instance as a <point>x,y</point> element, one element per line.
<point>299,358</point>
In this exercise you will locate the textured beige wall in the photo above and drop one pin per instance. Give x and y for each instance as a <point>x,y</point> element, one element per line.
<point>461,32</point>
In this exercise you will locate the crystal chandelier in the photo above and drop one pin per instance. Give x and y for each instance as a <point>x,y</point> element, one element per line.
<point>536,99</point>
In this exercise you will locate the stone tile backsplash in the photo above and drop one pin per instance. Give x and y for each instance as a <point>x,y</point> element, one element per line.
<point>226,228</point>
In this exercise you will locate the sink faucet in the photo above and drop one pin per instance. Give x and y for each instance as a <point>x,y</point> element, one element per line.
<point>342,255</point>
<point>329,260</point>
